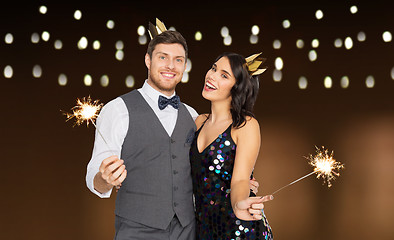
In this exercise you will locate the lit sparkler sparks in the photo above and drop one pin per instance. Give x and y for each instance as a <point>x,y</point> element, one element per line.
<point>325,166</point>
<point>86,110</point>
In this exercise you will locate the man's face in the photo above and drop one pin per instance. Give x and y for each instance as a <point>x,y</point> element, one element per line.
<point>166,67</point>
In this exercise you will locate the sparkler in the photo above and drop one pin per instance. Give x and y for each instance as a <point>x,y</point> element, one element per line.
<point>88,111</point>
<point>85,110</point>
<point>325,166</point>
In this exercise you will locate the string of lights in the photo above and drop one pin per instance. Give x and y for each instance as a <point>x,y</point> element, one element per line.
<point>308,50</point>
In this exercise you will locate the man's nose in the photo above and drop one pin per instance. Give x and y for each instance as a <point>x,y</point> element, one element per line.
<point>170,64</point>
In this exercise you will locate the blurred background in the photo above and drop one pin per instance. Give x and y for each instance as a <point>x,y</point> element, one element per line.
<point>330,82</point>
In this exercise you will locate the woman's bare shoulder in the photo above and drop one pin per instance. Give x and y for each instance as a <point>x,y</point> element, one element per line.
<point>201,119</point>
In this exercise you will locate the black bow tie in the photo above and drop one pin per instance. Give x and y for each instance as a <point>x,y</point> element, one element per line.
<point>174,101</point>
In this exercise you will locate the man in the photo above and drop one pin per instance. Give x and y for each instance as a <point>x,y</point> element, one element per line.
<point>152,132</point>
<point>155,200</point>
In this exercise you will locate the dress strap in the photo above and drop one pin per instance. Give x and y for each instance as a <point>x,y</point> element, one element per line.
<point>202,125</point>
<point>206,119</point>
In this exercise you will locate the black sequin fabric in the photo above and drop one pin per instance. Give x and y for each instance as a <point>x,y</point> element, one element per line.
<point>211,172</point>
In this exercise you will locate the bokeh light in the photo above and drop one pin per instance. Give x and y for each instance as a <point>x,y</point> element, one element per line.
<point>37,71</point>
<point>348,43</point>
<point>43,9</point>
<point>8,71</point>
<point>277,75</point>
<point>300,43</point>
<point>224,32</point>
<point>87,80</point>
<point>62,79</point>
<point>58,44</point>
<point>9,38</point>
<point>302,82</point>
<point>130,81</point>
<point>312,55</point>
<point>328,82</point>
<point>110,24</point>
<point>286,23</point>
<point>276,44</point>
<point>77,15</point>
<point>361,36</point>
<point>82,43</point>
<point>319,14</point>
<point>345,82</point>
<point>370,81</point>
<point>353,9</point>
<point>387,37</point>
<point>104,81</point>
<point>198,36</point>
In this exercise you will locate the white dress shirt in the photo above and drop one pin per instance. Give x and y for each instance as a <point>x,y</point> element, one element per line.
<point>113,124</point>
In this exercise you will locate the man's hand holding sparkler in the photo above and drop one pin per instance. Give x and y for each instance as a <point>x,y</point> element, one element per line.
<point>112,172</point>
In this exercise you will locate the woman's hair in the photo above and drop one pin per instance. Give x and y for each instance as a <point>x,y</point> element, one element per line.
<point>167,37</point>
<point>245,90</point>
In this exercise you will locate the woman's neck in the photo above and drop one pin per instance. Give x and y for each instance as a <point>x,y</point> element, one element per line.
<point>220,111</point>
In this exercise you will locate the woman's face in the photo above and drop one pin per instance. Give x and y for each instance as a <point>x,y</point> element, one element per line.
<point>218,81</point>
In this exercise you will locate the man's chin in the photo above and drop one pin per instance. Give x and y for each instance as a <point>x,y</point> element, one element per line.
<point>164,84</point>
<point>167,85</point>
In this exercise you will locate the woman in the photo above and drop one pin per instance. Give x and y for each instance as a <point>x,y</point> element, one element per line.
<point>224,151</point>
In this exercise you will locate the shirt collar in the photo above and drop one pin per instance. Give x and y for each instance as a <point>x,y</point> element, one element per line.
<point>153,93</point>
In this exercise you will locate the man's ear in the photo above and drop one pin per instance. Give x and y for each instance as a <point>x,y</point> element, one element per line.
<point>147,61</point>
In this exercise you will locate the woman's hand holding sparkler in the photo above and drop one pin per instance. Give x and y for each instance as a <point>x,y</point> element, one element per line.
<point>251,209</point>
<point>254,185</point>
<point>112,173</point>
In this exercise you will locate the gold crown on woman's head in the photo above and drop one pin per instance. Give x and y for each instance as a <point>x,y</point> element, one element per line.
<point>253,63</point>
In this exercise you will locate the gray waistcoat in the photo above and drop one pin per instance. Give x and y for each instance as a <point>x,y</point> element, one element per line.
<point>158,183</point>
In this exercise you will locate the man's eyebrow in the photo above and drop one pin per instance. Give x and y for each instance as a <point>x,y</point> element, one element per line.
<point>168,55</point>
<point>162,53</point>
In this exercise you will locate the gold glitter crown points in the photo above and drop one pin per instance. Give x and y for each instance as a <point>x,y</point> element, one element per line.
<point>253,63</point>
<point>156,30</point>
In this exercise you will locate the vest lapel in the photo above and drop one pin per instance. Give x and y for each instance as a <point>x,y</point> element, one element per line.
<point>181,113</point>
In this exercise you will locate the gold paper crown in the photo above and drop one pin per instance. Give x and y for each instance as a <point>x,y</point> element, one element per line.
<point>253,63</point>
<point>156,30</point>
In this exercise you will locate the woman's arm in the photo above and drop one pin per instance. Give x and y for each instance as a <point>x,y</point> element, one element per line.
<point>248,142</point>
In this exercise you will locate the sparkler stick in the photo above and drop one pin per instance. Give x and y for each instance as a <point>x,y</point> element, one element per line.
<point>324,165</point>
<point>88,111</point>
<point>293,182</point>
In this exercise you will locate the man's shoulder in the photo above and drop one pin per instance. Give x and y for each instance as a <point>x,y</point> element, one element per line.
<point>131,93</point>
<point>191,110</point>
<point>113,105</point>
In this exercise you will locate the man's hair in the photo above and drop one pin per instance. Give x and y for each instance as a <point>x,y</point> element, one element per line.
<point>167,37</point>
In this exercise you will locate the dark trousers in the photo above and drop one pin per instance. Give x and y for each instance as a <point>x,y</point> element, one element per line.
<point>126,229</point>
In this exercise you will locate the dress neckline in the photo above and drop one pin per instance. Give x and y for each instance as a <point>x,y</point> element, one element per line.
<point>198,150</point>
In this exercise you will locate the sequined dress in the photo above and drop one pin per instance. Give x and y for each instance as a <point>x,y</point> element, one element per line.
<point>211,172</point>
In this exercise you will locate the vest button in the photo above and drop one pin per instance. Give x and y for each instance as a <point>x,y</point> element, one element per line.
<point>175,188</point>
<point>172,140</point>
<point>175,204</point>
<point>173,156</point>
<point>175,172</point>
